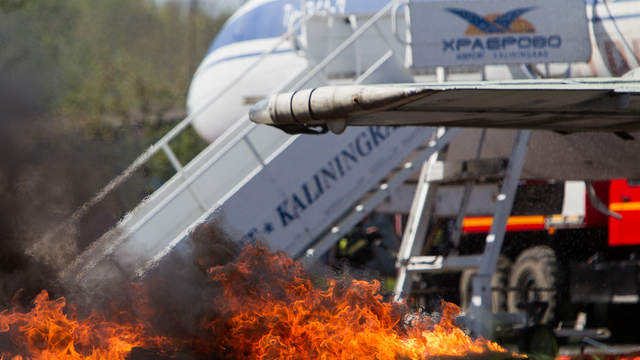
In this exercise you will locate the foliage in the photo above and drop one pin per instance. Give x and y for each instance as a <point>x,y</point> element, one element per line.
<point>108,67</point>
<point>185,146</point>
<point>120,60</point>
<point>85,87</point>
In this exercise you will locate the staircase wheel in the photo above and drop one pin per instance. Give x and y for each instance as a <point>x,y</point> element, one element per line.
<point>499,280</point>
<point>535,268</point>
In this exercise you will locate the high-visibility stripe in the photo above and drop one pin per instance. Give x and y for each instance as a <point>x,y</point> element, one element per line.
<point>523,220</point>
<point>477,221</point>
<point>513,220</point>
<point>625,206</point>
<point>482,224</point>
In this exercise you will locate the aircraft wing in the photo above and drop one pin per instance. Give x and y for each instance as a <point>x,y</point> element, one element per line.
<point>570,105</point>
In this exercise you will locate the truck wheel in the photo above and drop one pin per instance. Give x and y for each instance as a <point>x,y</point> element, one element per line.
<point>499,280</point>
<point>535,268</point>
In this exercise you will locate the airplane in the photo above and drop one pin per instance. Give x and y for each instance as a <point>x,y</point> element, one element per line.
<point>251,30</point>
<point>590,104</point>
<point>562,154</point>
<point>576,110</point>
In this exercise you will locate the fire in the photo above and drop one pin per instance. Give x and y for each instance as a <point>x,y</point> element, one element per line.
<point>266,306</point>
<point>46,332</point>
<point>278,312</point>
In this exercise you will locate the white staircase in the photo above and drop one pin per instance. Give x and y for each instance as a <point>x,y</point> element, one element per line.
<point>411,262</point>
<point>259,183</point>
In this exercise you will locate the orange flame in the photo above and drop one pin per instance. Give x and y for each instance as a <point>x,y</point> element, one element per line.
<point>46,332</point>
<point>268,307</point>
<point>277,312</point>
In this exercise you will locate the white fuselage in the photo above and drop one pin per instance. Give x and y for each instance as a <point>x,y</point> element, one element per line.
<point>256,27</point>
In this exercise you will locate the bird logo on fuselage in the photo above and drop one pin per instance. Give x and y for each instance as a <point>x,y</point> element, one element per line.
<point>507,23</point>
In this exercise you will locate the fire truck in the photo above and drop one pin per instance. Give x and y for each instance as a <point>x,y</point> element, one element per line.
<point>571,246</point>
<point>568,260</point>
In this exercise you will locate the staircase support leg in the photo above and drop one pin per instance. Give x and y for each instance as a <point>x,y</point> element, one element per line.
<point>464,203</point>
<point>418,222</point>
<point>480,317</point>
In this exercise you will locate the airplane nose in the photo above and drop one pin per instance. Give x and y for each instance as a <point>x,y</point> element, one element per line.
<point>260,113</point>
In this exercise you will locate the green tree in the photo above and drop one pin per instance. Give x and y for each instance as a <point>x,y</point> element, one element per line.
<point>99,81</point>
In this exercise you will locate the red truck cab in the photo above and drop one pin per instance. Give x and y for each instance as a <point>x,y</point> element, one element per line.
<point>624,199</point>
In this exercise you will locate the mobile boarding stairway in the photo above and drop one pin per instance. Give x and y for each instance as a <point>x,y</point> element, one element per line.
<point>298,193</point>
<point>303,193</point>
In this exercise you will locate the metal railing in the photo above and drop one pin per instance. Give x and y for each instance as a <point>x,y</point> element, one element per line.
<point>163,143</point>
<point>241,128</point>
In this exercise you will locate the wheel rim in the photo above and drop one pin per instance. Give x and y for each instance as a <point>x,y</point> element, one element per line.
<point>531,287</point>
<point>527,286</point>
<point>533,279</point>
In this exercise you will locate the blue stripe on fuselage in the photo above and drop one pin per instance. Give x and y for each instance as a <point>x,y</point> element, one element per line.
<point>267,20</point>
<point>263,22</point>
<point>238,57</point>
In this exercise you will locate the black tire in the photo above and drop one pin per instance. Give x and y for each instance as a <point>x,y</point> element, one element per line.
<point>535,268</point>
<point>499,280</point>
